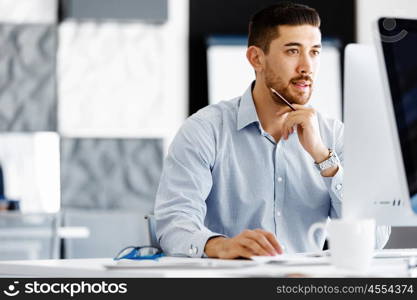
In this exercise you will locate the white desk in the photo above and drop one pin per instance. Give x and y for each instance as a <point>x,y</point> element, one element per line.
<point>95,268</point>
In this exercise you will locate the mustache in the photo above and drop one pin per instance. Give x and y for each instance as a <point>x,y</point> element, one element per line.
<point>304,78</point>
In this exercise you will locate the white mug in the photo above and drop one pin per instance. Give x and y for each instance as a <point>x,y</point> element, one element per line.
<point>351,242</point>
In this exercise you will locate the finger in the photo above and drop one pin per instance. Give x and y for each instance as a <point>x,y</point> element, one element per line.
<point>286,131</point>
<point>295,114</point>
<point>300,107</point>
<point>265,242</point>
<point>299,114</point>
<point>283,131</point>
<point>260,239</point>
<point>285,110</point>
<point>307,113</point>
<point>294,120</point>
<point>291,130</point>
<point>254,246</point>
<point>236,249</point>
<point>244,252</point>
<point>288,124</point>
<point>274,242</point>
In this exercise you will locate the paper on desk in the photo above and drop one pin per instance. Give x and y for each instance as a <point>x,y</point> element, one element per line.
<point>297,258</point>
<point>395,253</point>
<point>180,262</point>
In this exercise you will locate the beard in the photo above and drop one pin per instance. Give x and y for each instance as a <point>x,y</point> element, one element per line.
<point>286,89</point>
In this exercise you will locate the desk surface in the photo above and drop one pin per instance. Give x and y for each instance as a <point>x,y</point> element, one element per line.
<point>96,268</point>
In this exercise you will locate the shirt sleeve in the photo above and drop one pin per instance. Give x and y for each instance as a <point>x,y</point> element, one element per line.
<point>185,184</point>
<point>335,184</point>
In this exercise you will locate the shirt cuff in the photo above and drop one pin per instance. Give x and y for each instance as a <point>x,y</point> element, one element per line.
<point>198,243</point>
<point>335,185</point>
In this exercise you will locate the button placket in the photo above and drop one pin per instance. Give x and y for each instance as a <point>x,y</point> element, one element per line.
<point>279,184</point>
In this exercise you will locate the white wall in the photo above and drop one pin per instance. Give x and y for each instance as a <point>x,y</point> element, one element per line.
<point>229,72</point>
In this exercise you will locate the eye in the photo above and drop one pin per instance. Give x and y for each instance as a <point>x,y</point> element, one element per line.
<point>316,52</point>
<point>292,51</point>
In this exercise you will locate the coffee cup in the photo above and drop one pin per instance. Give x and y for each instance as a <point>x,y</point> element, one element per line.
<point>351,242</point>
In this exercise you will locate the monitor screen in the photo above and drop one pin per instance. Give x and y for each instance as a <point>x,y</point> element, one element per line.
<point>399,45</point>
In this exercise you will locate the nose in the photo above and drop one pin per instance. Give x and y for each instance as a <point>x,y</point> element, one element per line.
<point>305,66</point>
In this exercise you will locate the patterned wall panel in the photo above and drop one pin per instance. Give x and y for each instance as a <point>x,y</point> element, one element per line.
<point>27,77</point>
<point>110,173</point>
<point>110,79</point>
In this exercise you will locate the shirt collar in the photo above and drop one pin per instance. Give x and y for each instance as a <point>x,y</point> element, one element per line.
<point>246,112</point>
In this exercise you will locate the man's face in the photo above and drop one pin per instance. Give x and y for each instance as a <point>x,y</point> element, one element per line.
<point>292,62</point>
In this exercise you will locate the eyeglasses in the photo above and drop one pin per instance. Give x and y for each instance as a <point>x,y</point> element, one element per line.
<point>142,252</point>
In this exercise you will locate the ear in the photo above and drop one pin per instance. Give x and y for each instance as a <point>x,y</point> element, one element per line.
<point>256,58</point>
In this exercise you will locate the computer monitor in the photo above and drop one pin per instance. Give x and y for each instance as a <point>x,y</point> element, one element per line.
<point>398,41</point>
<point>379,165</point>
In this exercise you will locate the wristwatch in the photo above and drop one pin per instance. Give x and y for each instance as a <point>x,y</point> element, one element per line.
<point>330,162</point>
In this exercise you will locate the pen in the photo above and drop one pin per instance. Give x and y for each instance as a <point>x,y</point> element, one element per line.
<point>283,99</point>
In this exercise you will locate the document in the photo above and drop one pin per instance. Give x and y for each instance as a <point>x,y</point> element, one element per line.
<point>309,258</point>
<point>181,262</point>
<point>396,253</point>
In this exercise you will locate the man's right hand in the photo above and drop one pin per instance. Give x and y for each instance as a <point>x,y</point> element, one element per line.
<point>247,244</point>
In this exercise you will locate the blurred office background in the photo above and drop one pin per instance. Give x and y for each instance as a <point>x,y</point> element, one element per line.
<point>93,91</point>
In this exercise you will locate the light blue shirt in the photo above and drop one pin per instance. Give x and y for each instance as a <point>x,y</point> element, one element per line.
<point>224,173</point>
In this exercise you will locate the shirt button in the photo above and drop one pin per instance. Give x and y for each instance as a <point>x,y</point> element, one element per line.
<point>279,179</point>
<point>279,214</point>
<point>338,187</point>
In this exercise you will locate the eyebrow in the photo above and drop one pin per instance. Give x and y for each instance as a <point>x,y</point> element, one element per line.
<point>292,44</point>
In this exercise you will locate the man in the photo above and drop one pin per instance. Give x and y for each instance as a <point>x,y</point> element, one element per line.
<point>250,176</point>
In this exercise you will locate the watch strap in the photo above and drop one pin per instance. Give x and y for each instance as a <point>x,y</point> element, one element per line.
<point>330,162</point>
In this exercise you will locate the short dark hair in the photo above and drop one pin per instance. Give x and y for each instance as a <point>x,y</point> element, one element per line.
<point>263,24</point>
